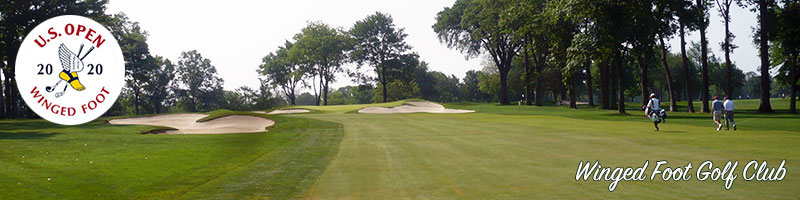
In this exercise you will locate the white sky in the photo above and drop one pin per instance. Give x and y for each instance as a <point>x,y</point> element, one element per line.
<point>236,34</point>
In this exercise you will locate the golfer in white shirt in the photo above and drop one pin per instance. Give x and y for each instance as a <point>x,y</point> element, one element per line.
<point>729,114</point>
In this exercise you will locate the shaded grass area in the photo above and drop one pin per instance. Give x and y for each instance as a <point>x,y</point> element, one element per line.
<point>42,160</point>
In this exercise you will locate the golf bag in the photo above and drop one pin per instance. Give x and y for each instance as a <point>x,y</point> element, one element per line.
<point>658,116</point>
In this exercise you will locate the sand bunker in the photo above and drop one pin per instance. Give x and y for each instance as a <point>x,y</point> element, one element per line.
<point>413,107</point>
<point>288,111</point>
<point>187,123</point>
<point>284,111</point>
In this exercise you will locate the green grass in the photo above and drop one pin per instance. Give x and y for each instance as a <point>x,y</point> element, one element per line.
<point>507,152</point>
<point>104,161</point>
<point>500,152</point>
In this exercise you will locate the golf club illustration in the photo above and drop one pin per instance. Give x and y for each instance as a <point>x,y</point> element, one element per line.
<point>72,64</point>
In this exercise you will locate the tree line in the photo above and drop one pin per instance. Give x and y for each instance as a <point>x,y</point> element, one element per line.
<point>620,41</point>
<point>535,51</point>
<point>153,84</point>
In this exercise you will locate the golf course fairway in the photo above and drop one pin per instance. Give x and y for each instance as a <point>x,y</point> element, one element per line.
<point>333,152</point>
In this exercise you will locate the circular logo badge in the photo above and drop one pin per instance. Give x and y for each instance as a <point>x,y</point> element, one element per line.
<point>70,70</point>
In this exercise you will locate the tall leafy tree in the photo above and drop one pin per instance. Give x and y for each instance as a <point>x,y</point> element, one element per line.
<point>379,42</point>
<point>532,32</point>
<point>282,69</point>
<point>477,26</point>
<point>702,7</point>
<point>724,7</point>
<point>200,86</point>
<point>666,12</point>
<point>787,48</point>
<point>642,41</point>
<point>160,85</point>
<point>139,64</point>
<point>763,34</point>
<point>687,21</point>
<point>325,49</point>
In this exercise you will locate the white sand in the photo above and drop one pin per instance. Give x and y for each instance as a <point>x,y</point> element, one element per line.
<point>413,107</point>
<point>284,111</point>
<point>288,111</point>
<point>187,123</point>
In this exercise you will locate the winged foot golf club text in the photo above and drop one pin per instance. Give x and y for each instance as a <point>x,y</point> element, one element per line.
<point>754,170</point>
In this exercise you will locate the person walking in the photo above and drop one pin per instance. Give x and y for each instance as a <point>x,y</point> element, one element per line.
<point>717,108</point>
<point>652,109</point>
<point>729,114</point>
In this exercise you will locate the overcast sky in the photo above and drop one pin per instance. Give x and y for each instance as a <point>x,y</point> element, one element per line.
<point>236,34</point>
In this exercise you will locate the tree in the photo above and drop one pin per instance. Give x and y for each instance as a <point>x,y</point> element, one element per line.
<point>724,7</point>
<point>160,85</point>
<point>200,86</point>
<point>139,63</point>
<point>665,12</point>
<point>378,42</point>
<point>702,7</point>
<point>532,32</point>
<point>397,90</point>
<point>266,98</point>
<point>686,20</point>
<point>477,26</point>
<point>325,50</point>
<point>281,69</point>
<point>763,34</point>
<point>787,48</point>
<point>470,89</point>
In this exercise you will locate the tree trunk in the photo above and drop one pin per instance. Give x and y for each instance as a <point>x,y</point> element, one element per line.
<point>572,95</point>
<point>589,85</point>
<point>619,63</point>
<point>325,92</point>
<point>2,97</point>
<point>136,99</point>
<point>795,87</point>
<point>764,106</point>
<point>11,93</point>
<point>614,84</point>
<point>504,85</point>
<point>539,89</point>
<point>604,85</point>
<point>383,81</point>
<point>703,55</point>
<point>728,66</point>
<point>673,105</point>
<point>7,101</point>
<point>643,80</point>
<point>527,80</point>
<point>687,72</point>
<point>704,65</point>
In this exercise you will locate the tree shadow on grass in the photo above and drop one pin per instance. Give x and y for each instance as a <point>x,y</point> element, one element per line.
<point>10,126</point>
<point>25,135</point>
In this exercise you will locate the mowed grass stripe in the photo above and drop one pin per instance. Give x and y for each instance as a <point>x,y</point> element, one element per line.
<point>286,172</point>
<point>514,156</point>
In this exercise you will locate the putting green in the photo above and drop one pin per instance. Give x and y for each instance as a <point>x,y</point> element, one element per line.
<point>335,153</point>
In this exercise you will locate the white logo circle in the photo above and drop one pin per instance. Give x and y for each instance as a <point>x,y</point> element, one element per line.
<point>70,70</point>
